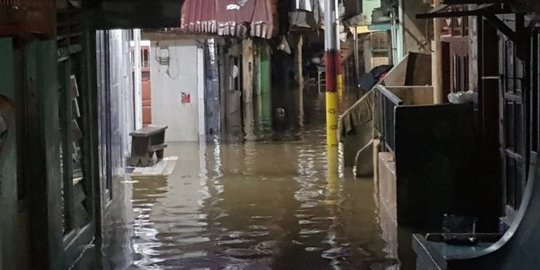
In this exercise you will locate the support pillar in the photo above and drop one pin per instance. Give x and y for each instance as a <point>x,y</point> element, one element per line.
<point>300,79</point>
<point>436,59</point>
<point>332,65</point>
<point>247,87</point>
<point>266,88</point>
<point>356,56</point>
<point>137,77</point>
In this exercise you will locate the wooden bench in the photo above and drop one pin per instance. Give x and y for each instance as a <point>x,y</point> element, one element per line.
<point>145,142</point>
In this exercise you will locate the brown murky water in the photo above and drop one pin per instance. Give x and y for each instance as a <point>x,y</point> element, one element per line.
<point>258,205</point>
<point>255,206</point>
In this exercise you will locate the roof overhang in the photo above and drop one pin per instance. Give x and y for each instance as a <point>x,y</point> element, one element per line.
<point>457,10</point>
<point>228,17</point>
<point>488,11</point>
<point>110,14</point>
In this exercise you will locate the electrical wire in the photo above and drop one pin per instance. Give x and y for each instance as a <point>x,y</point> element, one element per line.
<point>174,59</point>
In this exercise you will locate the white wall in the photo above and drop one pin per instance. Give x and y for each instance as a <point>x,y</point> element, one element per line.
<point>168,82</point>
<point>121,85</point>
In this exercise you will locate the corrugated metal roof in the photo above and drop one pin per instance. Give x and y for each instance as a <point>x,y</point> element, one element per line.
<point>228,17</point>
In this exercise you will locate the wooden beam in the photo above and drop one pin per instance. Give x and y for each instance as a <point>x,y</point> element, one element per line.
<point>266,87</point>
<point>436,59</point>
<point>300,78</point>
<point>111,14</point>
<point>247,87</point>
<point>501,26</point>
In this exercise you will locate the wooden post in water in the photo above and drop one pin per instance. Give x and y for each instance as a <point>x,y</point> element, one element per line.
<point>247,87</point>
<point>265,84</point>
<point>300,79</point>
<point>257,86</point>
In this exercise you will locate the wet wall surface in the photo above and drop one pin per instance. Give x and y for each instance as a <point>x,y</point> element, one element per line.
<point>253,205</point>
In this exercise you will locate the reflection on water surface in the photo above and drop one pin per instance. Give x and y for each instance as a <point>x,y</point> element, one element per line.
<point>255,206</point>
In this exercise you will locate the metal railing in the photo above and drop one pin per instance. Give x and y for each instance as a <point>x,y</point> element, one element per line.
<point>386,103</point>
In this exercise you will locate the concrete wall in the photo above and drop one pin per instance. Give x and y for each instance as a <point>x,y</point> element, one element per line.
<point>182,75</point>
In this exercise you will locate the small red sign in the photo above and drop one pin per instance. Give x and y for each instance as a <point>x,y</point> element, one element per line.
<point>186,98</point>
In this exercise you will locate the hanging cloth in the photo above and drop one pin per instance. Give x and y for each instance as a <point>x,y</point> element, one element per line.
<point>306,5</point>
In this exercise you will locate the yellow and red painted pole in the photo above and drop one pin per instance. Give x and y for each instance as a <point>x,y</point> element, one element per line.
<point>332,98</point>
<point>332,70</point>
<point>334,85</point>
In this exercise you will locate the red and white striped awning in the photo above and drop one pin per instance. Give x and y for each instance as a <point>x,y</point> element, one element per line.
<point>228,17</point>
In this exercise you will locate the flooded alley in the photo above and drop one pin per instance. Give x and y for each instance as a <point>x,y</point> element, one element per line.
<point>269,134</point>
<point>255,205</point>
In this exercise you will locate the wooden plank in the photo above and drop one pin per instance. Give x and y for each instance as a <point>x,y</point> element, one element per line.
<point>27,17</point>
<point>163,168</point>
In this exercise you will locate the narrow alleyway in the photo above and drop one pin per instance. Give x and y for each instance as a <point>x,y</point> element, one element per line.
<point>255,205</point>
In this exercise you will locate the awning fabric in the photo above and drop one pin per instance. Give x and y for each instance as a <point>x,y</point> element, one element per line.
<point>228,17</point>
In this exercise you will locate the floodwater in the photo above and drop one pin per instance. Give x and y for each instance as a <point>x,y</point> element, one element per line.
<point>256,205</point>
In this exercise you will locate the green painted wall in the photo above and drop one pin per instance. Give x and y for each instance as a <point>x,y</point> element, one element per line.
<point>41,153</point>
<point>8,160</point>
<point>7,84</point>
